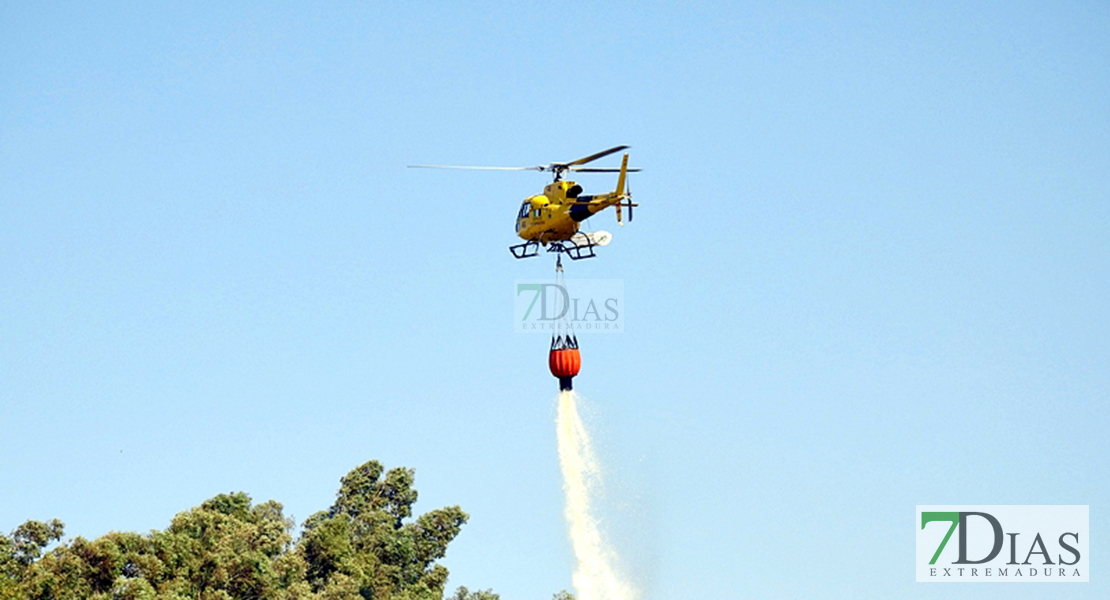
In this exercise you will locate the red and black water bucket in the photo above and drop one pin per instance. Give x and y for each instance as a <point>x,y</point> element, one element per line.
<point>564,360</point>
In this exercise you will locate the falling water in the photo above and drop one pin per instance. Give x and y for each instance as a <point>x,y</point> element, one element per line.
<point>595,577</point>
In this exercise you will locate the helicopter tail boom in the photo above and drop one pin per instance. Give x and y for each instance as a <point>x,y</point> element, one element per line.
<point>586,206</point>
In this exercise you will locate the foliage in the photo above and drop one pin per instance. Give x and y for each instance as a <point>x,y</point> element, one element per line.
<point>365,547</point>
<point>464,594</point>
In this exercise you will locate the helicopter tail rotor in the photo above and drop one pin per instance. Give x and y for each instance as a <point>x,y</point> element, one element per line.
<point>629,204</point>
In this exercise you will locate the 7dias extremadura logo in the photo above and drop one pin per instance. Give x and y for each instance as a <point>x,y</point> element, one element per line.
<point>1002,543</point>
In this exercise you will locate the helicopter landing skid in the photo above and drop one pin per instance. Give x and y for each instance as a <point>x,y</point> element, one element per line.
<point>572,250</point>
<point>525,250</point>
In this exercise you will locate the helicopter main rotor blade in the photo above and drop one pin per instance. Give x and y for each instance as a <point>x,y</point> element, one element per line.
<point>597,170</point>
<point>557,168</point>
<point>594,157</point>
<point>477,168</point>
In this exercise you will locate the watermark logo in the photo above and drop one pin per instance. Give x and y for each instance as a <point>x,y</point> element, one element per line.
<point>1002,543</point>
<point>583,305</point>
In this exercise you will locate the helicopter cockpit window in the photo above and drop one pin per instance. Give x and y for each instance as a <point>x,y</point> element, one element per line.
<point>524,208</point>
<point>536,213</point>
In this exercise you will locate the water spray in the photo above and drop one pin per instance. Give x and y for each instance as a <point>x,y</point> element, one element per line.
<point>595,577</point>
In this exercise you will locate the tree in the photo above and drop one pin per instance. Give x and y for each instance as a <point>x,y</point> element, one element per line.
<point>19,552</point>
<point>365,547</point>
<point>364,540</point>
<point>464,594</point>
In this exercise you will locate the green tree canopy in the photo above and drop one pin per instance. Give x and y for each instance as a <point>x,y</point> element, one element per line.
<point>464,594</point>
<point>366,546</point>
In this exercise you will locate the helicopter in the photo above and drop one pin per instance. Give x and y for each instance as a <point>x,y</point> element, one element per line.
<point>552,219</point>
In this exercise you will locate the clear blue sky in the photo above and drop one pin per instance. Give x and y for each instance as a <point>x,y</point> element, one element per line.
<point>870,271</point>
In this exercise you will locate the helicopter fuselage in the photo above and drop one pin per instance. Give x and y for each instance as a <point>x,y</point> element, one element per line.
<point>557,213</point>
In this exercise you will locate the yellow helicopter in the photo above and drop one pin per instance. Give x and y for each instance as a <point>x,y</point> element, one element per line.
<point>552,219</point>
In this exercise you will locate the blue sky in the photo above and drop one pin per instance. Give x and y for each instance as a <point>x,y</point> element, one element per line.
<point>869,272</point>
